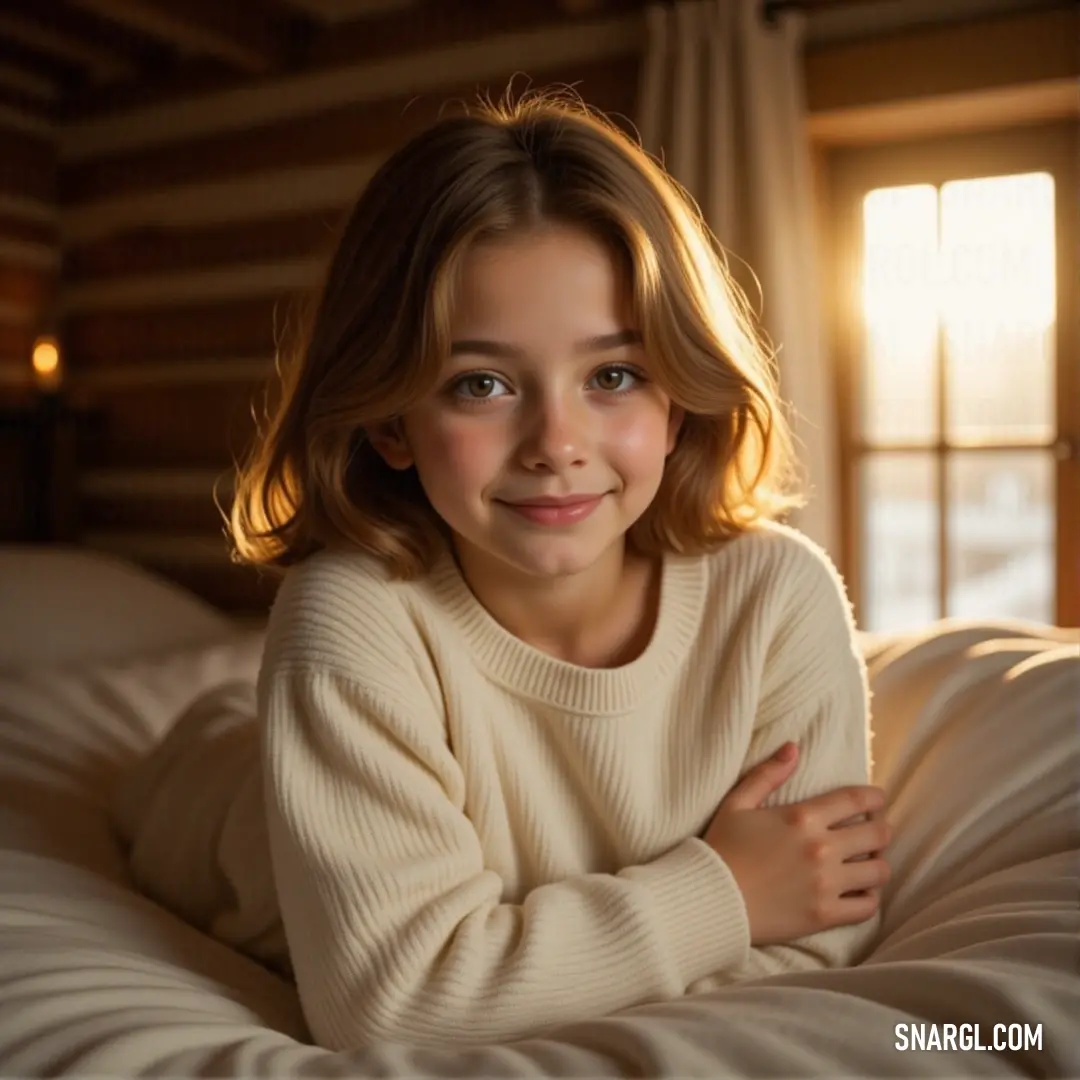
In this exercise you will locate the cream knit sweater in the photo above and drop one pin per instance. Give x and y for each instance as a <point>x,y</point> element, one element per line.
<point>473,841</point>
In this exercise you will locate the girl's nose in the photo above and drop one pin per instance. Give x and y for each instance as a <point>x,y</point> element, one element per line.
<point>556,435</point>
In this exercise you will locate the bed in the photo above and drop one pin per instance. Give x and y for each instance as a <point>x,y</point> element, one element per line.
<point>975,741</point>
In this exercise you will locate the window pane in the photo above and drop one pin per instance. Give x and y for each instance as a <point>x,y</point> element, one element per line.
<point>998,307</point>
<point>900,312</point>
<point>1001,535</point>
<point>900,542</point>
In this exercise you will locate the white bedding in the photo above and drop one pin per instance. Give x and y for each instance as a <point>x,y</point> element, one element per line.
<point>976,741</point>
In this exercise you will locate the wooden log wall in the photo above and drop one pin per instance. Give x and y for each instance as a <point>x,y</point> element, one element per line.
<point>191,225</point>
<point>29,272</point>
<point>192,216</point>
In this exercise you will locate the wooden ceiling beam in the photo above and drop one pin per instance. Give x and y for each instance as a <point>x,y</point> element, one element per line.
<point>30,83</point>
<point>100,64</point>
<point>398,31</point>
<point>38,65</point>
<point>241,35</point>
<point>14,103</point>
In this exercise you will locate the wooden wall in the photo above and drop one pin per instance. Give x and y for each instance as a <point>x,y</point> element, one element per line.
<point>191,223</point>
<point>29,269</point>
<point>192,216</point>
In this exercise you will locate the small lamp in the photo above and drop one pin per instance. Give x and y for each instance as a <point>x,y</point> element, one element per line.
<point>47,364</point>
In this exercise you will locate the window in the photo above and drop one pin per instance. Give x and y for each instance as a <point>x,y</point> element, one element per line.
<point>958,356</point>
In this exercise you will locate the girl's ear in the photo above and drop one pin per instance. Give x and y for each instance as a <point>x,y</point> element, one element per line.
<point>390,443</point>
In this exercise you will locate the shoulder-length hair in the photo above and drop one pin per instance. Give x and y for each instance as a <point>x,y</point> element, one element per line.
<point>378,335</point>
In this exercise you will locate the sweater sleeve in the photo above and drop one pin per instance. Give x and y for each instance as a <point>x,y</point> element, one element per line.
<point>396,928</point>
<point>815,694</point>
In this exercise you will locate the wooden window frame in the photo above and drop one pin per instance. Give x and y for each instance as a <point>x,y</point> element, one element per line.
<point>851,172</point>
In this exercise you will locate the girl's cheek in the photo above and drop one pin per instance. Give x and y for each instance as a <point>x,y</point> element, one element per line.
<point>637,434</point>
<point>465,449</point>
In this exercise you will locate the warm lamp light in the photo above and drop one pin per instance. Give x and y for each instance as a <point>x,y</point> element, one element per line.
<point>48,371</point>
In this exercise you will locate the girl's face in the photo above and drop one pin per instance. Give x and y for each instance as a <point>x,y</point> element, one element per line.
<point>545,393</point>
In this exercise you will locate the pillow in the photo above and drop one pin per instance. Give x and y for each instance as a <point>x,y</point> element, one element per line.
<point>64,604</point>
<point>68,731</point>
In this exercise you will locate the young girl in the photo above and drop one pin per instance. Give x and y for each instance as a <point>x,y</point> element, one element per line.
<point>539,619</point>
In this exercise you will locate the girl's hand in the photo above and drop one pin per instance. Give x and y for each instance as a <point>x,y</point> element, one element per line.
<point>805,867</point>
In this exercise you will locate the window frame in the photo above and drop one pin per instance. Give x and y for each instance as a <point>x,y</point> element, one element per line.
<point>850,173</point>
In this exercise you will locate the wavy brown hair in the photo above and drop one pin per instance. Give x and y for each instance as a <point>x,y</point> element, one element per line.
<point>378,334</point>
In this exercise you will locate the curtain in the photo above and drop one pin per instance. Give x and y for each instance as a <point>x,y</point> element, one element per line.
<point>723,106</point>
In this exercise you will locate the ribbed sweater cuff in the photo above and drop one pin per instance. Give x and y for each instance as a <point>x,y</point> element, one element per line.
<point>700,908</point>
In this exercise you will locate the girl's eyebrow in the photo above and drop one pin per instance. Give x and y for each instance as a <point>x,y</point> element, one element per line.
<point>502,351</point>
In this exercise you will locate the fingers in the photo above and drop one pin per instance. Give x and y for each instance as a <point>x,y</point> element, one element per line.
<point>762,780</point>
<point>855,908</point>
<point>867,875</point>
<point>860,841</point>
<point>858,819</point>
<point>835,808</point>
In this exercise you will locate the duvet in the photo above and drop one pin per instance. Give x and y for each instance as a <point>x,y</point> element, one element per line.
<point>975,972</point>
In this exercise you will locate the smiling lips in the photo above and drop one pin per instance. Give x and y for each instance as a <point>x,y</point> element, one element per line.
<point>552,500</point>
<point>556,511</point>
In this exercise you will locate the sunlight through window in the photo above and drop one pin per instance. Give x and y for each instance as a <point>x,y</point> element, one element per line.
<point>957,400</point>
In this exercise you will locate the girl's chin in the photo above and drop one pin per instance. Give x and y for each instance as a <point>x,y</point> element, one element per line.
<point>550,557</point>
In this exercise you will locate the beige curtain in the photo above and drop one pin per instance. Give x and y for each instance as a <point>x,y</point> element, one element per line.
<point>722,105</point>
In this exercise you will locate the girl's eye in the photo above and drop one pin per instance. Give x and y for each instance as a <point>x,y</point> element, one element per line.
<point>474,381</point>
<point>618,371</point>
<point>603,377</point>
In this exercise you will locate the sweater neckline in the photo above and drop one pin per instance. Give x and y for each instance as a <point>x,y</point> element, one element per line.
<point>531,673</point>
